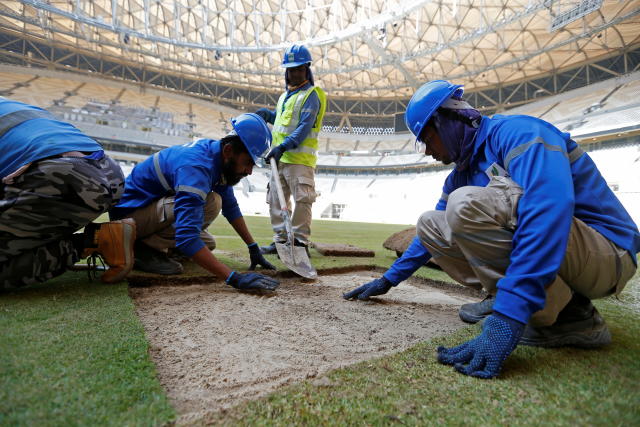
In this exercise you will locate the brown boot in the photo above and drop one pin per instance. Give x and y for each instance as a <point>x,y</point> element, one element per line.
<point>113,241</point>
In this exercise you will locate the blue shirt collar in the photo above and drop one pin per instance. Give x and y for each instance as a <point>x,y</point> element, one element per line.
<point>215,148</point>
<point>480,137</point>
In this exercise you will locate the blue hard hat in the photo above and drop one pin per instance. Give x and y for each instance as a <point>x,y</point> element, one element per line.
<point>295,56</point>
<point>254,133</point>
<point>426,101</point>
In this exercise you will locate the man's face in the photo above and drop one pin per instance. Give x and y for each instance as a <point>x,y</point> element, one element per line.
<point>434,146</point>
<point>297,75</point>
<point>235,166</point>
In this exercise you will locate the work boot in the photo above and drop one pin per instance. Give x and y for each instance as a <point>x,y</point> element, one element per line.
<point>475,312</point>
<point>297,242</point>
<point>155,261</point>
<point>578,325</point>
<point>269,249</point>
<point>176,255</point>
<point>113,242</point>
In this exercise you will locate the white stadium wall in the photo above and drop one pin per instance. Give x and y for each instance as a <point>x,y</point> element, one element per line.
<point>401,200</point>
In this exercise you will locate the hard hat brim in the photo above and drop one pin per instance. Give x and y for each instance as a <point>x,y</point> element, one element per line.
<point>295,64</point>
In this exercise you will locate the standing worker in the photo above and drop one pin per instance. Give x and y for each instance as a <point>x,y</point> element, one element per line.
<point>175,194</point>
<point>55,181</point>
<point>296,123</point>
<point>527,216</point>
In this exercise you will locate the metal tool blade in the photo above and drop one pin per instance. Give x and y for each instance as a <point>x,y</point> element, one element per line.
<point>294,257</point>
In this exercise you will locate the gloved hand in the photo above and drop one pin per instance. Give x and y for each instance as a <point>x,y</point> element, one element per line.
<point>257,258</point>
<point>484,355</point>
<point>252,281</point>
<point>376,287</point>
<point>276,152</point>
<point>265,113</point>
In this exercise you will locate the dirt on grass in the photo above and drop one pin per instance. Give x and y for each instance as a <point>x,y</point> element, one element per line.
<point>215,347</point>
<point>333,249</point>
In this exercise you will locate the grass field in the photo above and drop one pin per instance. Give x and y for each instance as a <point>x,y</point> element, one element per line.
<point>74,353</point>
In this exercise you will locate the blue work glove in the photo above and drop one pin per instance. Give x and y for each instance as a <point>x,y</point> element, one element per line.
<point>276,152</point>
<point>376,287</point>
<point>411,260</point>
<point>252,281</point>
<point>257,258</point>
<point>484,355</point>
<point>265,113</point>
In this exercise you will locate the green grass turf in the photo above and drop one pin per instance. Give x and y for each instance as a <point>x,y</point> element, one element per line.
<point>360,234</point>
<point>75,353</point>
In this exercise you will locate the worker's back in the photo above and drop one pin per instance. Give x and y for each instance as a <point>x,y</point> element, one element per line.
<point>29,133</point>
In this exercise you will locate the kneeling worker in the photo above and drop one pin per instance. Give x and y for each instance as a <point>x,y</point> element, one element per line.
<point>527,216</point>
<point>55,181</point>
<point>178,192</point>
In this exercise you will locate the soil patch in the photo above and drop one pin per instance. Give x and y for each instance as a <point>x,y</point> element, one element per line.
<point>330,249</point>
<point>400,241</point>
<point>215,347</point>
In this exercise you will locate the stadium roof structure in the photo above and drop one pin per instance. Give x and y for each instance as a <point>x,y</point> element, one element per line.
<point>362,49</point>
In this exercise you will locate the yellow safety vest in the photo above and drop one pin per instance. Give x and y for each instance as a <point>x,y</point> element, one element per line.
<point>287,121</point>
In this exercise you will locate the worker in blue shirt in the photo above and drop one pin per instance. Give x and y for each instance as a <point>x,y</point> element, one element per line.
<point>175,194</point>
<point>527,216</point>
<point>55,180</point>
<point>296,121</point>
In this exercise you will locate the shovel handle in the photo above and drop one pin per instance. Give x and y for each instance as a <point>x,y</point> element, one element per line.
<point>283,204</point>
<point>276,180</point>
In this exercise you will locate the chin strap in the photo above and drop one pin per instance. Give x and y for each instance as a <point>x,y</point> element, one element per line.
<point>292,88</point>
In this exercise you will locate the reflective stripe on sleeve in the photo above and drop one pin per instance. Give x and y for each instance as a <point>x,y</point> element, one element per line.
<point>161,178</point>
<point>194,190</point>
<point>515,152</point>
<point>575,154</point>
<point>15,118</point>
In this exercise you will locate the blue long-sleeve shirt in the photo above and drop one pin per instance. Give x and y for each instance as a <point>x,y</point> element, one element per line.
<point>559,182</point>
<point>190,171</point>
<point>36,138</point>
<point>308,116</point>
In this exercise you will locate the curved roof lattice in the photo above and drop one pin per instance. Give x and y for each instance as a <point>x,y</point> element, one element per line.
<point>361,48</point>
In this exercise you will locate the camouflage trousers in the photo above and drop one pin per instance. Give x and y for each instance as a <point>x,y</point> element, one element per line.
<point>43,207</point>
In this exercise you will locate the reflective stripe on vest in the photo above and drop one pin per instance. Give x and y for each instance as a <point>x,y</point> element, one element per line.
<point>302,149</point>
<point>300,97</point>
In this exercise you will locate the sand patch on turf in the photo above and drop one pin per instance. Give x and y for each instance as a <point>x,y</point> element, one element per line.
<point>215,347</point>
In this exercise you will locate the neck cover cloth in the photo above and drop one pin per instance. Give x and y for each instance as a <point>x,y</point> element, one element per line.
<point>309,78</point>
<point>457,123</point>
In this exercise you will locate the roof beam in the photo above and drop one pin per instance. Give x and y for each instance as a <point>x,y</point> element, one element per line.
<point>377,48</point>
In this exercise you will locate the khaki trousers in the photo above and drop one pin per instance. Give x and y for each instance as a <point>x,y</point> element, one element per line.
<point>472,242</point>
<point>297,181</point>
<point>155,222</point>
